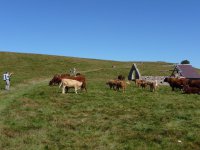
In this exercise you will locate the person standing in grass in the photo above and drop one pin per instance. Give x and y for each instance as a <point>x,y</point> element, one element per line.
<point>6,78</point>
<point>74,71</point>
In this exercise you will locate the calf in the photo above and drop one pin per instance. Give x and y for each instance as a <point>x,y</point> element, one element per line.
<point>69,83</point>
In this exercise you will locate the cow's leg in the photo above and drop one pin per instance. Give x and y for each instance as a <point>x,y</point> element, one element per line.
<point>66,89</point>
<point>172,88</point>
<point>63,90</point>
<point>75,89</point>
<point>85,89</point>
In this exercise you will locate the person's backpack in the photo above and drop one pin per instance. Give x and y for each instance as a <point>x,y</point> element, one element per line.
<point>4,77</point>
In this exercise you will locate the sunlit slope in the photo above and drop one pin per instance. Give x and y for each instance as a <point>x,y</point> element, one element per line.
<point>33,66</point>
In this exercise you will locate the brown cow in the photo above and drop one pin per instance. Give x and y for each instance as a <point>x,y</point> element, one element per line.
<point>194,83</point>
<point>121,77</point>
<point>176,82</point>
<point>143,84</point>
<point>139,83</point>
<point>191,90</point>
<point>57,79</point>
<point>112,84</point>
<point>117,84</point>
<point>121,85</point>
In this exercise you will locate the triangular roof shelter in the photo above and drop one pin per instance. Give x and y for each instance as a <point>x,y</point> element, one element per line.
<point>186,71</point>
<point>134,73</point>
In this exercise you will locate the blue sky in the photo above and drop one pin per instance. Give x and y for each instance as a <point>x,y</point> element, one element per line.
<point>127,30</point>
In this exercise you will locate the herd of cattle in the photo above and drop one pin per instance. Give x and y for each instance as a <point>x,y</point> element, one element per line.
<point>188,86</point>
<point>79,82</point>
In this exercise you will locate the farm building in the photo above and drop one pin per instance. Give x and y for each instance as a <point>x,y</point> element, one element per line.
<point>186,71</point>
<point>134,73</point>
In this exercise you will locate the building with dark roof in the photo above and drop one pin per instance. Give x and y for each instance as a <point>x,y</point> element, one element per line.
<point>186,71</point>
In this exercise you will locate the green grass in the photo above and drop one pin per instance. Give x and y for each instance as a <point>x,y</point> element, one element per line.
<point>36,116</point>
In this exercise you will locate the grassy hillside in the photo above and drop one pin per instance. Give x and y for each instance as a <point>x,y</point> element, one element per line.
<point>36,116</point>
<point>28,67</point>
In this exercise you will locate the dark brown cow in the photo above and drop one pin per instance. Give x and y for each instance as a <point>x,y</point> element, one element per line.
<point>176,82</point>
<point>57,79</point>
<point>194,83</point>
<point>117,84</point>
<point>121,77</point>
<point>112,84</point>
<point>191,90</point>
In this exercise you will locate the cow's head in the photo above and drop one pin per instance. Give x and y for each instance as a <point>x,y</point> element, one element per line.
<point>166,79</point>
<point>56,80</point>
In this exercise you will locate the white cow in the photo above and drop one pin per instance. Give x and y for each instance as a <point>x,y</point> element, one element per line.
<point>70,84</point>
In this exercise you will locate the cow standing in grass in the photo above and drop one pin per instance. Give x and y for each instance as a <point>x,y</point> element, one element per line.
<point>57,80</point>
<point>140,83</point>
<point>194,83</point>
<point>152,85</point>
<point>191,90</point>
<point>121,85</point>
<point>111,84</point>
<point>176,82</point>
<point>69,83</point>
<point>118,83</point>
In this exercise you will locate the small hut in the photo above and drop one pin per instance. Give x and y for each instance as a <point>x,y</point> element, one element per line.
<point>186,71</point>
<point>134,73</point>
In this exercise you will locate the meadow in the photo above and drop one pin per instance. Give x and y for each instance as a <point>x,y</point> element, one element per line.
<point>35,116</point>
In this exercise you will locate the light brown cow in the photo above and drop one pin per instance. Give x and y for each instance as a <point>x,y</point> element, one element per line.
<point>70,84</point>
<point>153,85</point>
<point>121,85</point>
<point>139,83</point>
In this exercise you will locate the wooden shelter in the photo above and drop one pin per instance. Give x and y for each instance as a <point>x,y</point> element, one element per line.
<point>186,71</point>
<point>134,73</point>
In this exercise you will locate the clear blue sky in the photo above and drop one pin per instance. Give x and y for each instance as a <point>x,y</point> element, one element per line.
<point>127,30</point>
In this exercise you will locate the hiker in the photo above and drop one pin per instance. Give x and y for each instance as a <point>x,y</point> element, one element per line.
<point>70,72</point>
<point>74,71</point>
<point>6,78</point>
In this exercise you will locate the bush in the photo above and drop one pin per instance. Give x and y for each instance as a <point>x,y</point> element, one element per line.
<point>185,62</point>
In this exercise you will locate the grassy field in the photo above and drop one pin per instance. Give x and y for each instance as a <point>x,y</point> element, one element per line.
<point>35,116</point>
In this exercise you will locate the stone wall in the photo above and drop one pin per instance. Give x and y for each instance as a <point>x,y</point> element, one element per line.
<point>160,79</point>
